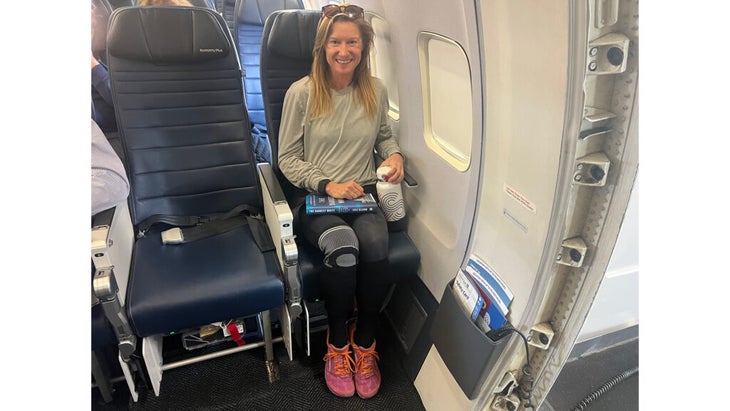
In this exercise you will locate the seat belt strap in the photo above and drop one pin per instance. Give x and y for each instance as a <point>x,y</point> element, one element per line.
<point>179,235</point>
<point>210,226</point>
<point>261,233</point>
<point>188,221</point>
<point>180,221</point>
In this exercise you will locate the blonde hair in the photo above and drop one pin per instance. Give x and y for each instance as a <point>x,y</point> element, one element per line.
<point>164,3</point>
<point>362,82</point>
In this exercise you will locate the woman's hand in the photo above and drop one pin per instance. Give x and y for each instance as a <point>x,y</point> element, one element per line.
<point>396,174</point>
<point>349,190</point>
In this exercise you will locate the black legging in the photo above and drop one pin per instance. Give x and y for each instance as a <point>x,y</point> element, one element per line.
<point>369,281</point>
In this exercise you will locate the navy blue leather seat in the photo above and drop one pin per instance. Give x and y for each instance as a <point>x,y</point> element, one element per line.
<point>221,277</point>
<point>183,124</point>
<point>286,56</point>
<point>250,16</point>
<point>227,9</point>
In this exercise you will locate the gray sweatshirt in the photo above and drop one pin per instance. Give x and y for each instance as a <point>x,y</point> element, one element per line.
<point>337,147</point>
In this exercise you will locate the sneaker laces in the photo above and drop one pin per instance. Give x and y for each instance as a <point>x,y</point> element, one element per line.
<point>342,360</point>
<point>366,361</point>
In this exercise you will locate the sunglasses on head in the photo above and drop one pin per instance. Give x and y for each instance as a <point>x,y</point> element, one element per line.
<point>350,10</point>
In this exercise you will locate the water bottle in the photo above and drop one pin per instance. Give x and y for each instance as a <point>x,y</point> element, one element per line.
<point>391,200</point>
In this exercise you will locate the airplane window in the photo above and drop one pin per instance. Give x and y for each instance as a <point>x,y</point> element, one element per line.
<point>381,61</point>
<point>447,108</point>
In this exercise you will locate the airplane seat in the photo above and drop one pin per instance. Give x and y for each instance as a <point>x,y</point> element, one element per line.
<point>286,56</point>
<point>227,9</point>
<point>250,16</point>
<point>184,128</point>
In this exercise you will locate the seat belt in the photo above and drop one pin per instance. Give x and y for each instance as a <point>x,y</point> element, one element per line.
<point>199,227</point>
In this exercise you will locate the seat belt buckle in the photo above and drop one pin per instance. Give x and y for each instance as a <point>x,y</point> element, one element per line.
<point>172,236</point>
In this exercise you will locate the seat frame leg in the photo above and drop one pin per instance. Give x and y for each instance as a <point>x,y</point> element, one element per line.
<point>99,371</point>
<point>272,367</point>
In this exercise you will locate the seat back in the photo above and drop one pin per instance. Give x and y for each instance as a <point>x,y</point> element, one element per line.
<point>286,56</point>
<point>178,98</point>
<point>250,16</point>
<point>227,9</point>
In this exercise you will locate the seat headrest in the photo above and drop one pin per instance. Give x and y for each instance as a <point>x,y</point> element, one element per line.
<point>293,32</point>
<point>163,34</point>
<point>256,11</point>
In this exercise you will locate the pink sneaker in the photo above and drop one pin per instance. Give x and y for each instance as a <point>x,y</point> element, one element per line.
<point>367,373</point>
<point>338,370</point>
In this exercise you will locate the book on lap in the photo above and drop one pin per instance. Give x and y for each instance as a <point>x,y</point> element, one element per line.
<point>324,204</point>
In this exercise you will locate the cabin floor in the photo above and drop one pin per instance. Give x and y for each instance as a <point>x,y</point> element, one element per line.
<point>222,384</point>
<point>592,364</point>
<point>239,382</point>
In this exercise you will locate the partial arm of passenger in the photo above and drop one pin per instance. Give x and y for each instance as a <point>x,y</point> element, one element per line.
<point>109,184</point>
<point>101,96</point>
<point>385,143</point>
<point>349,190</point>
<point>100,80</point>
<point>302,174</point>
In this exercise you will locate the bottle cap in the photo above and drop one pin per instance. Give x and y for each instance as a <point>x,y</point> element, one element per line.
<point>381,172</point>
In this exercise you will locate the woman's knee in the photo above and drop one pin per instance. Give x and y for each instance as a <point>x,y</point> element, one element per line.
<point>373,246</point>
<point>340,246</point>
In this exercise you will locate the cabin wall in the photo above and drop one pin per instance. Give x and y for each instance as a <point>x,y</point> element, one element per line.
<point>617,304</point>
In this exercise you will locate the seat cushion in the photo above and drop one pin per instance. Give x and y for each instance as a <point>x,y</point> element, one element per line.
<point>174,287</point>
<point>402,253</point>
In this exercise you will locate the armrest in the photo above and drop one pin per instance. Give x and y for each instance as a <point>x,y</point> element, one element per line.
<point>107,291</point>
<point>279,219</point>
<point>112,239</point>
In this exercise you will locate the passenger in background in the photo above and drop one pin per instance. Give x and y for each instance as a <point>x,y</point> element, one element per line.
<point>102,106</point>
<point>109,184</point>
<point>331,121</point>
